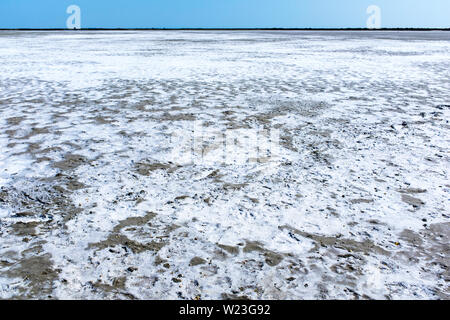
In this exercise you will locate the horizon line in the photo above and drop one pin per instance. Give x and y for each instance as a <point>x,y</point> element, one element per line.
<point>225,29</point>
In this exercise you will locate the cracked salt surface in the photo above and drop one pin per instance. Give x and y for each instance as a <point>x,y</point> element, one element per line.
<point>100,197</point>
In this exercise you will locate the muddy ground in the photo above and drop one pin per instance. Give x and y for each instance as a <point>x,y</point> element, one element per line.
<point>104,195</point>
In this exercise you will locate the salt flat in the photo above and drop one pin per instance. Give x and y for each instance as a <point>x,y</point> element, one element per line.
<point>215,165</point>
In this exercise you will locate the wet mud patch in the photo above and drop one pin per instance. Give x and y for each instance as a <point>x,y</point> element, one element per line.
<point>280,107</point>
<point>14,121</point>
<point>37,207</point>
<point>412,201</point>
<point>233,250</point>
<point>103,120</point>
<point>234,186</point>
<point>116,289</point>
<point>197,261</point>
<point>46,198</point>
<point>121,240</point>
<point>25,229</point>
<point>37,275</point>
<point>412,190</point>
<point>270,257</point>
<point>147,167</point>
<point>349,245</point>
<point>25,132</point>
<point>172,117</point>
<point>140,227</point>
<point>234,297</point>
<point>430,249</point>
<point>70,162</point>
<point>361,200</point>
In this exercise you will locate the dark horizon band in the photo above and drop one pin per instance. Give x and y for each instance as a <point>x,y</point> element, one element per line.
<point>225,29</point>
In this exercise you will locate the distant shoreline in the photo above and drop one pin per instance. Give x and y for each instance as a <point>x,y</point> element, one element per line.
<point>225,29</point>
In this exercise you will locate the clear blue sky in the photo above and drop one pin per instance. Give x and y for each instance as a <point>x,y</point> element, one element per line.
<point>224,13</point>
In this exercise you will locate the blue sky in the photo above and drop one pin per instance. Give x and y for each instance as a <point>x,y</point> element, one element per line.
<point>224,13</point>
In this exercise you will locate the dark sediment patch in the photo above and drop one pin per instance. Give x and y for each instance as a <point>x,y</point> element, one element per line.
<point>415,202</point>
<point>230,249</point>
<point>197,261</point>
<point>122,240</point>
<point>102,120</point>
<point>430,248</point>
<point>14,121</point>
<point>232,296</point>
<point>361,200</point>
<point>412,190</point>
<point>134,221</point>
<point>23,229</point>
<point>283,108</point>
<point>271,258</point>
<point>42,197</point>
<point>47,203</point>
<point>145,167</point>
<point>234,186</point>
<point>117,238</point>
<point>116,288</point>
<point>171,117</point>
<point>35,268</point>
<point>70,162</point>
<point>350,245</point>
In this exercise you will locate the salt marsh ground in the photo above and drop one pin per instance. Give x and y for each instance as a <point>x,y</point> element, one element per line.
<point>333,185</point>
